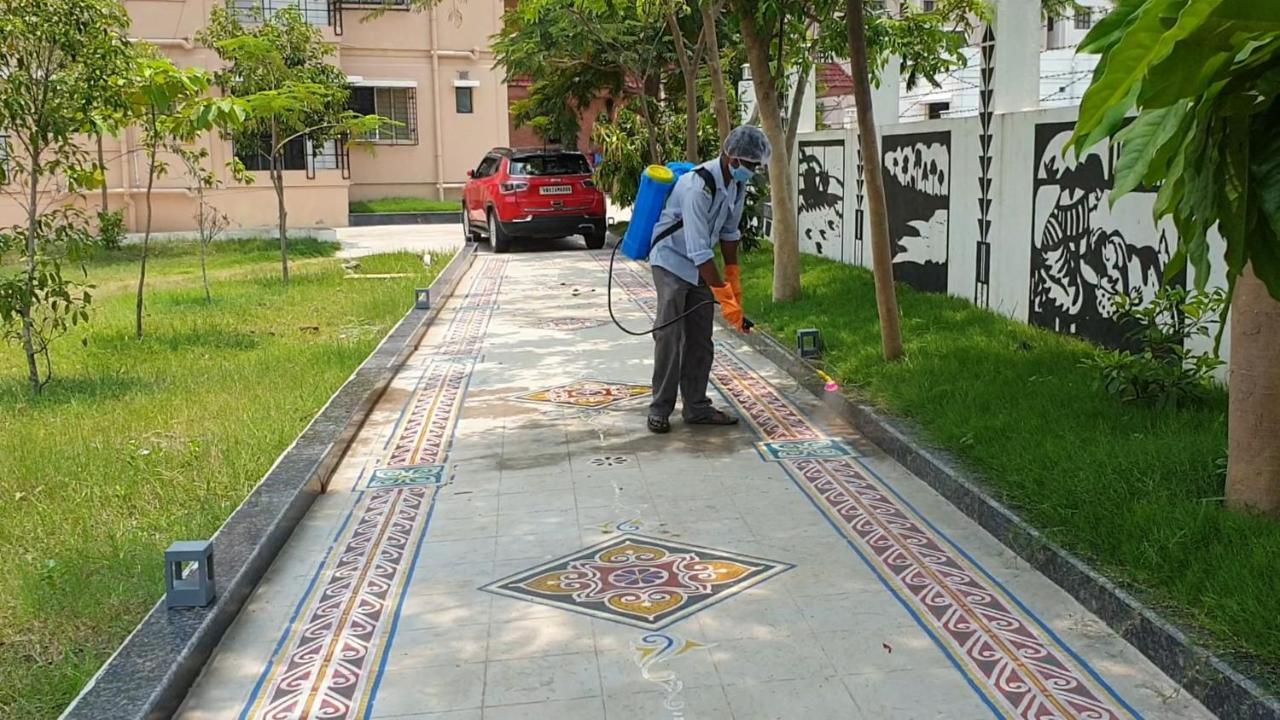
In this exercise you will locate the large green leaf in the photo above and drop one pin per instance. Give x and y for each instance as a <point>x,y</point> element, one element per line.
<point>1193,66</point>
<point>1264,176</point>
<point>1139,142</point>
<point>1234,192</point>
<point>1145,42</point>
<point>1166,148</point>
<point>1111,27</point>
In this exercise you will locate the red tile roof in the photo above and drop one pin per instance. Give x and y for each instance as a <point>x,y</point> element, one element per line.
<point>833,81</point>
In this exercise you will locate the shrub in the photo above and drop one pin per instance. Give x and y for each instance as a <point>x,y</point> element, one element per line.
<point>1162,371</point>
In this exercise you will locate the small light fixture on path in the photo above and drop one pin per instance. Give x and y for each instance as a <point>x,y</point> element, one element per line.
<point>422,299</point>
<point>809,343</point>
<point>188,574</point>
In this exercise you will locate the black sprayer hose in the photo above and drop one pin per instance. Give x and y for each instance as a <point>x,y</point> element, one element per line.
<point>613,256</point>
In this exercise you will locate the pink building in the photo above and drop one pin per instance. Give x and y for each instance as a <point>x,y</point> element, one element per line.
<point>431,71</point>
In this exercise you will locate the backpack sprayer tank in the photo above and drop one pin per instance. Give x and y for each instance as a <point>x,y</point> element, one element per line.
<point>656,184</point>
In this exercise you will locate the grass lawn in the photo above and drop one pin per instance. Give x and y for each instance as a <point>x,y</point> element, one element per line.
<point>139,443</point>
<point>1134,489</point>
<point>404,204</point>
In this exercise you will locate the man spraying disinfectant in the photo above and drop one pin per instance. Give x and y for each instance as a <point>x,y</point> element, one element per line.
<point>703,210</point>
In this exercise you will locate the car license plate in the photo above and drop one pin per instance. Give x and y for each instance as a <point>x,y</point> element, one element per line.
<point>555,189</point>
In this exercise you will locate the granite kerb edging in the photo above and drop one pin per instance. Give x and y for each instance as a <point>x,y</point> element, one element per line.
<point>1225,691</point>
<point>432,217</point>
<point>149,675</point>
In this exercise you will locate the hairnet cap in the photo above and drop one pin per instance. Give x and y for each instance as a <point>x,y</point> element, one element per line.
<point>747,142</point>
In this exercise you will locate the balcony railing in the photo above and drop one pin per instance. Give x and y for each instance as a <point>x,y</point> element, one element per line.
<point>315,12</point>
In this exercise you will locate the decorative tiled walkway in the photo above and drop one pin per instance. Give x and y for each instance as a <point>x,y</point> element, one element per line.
<point>506,540</point>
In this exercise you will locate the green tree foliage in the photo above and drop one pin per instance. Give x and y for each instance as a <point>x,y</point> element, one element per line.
<point>574,51</point>
<point>278,66</point>
<point>624,146</point>
<point>1204,78</point>
<point>782,34</point>
<point>64,61</point>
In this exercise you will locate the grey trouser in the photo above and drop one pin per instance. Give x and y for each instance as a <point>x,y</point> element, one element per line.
<point>683,352</point>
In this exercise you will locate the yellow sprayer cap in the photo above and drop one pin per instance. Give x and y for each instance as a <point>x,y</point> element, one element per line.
<point>660,174</point>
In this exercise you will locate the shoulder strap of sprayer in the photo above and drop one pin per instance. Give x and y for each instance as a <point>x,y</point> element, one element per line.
<point>674,228</point>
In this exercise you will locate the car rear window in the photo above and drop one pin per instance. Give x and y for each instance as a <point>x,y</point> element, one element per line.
<point>550,164</point>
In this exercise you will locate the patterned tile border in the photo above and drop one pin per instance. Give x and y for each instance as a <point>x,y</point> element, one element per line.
<point>326,672</point>
<point>329,659</point>
<point>804,449</point>
<point>640,581</point>
<point>388,477</point>
<point>1016,663</point>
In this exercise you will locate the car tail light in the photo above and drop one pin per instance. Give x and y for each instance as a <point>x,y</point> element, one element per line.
<point>510,187</point>
<point>589,183</point>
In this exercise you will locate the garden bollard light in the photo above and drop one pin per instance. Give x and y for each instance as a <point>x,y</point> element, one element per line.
<point>188,574</point>
<point>809,343</point>
<point>422,299</point>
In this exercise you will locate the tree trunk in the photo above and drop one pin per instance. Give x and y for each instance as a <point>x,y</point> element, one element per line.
<point>654,152</point>
<point>102,163</point>
<point>797,105</point>
<point>146,239</point>
<point>786,236</point>
<point>877,214</point>
<point>203,221</point>
<point>277,179</point>
<point>710,16</point>
<point>689,70</point>
<point>1253,465</point>
<point>28,325</point>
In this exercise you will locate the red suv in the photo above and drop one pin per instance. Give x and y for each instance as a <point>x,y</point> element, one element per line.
<point>535,193</point>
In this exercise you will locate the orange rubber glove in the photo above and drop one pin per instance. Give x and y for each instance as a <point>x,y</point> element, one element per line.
<point>729,306</point>
<point>733,276</point>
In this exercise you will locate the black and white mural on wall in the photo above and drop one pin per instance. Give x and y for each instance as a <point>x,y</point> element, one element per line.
<point>821,191</point>
<point>917,176</point>
<point>1085,253</point>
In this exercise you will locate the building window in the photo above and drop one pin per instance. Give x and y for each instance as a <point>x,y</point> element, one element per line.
<point>397,104</point>
<point>928,5</point>
<point>1084,18</point>
<point>936,109</point>
<point>463,98</point>
<point>256,155</point>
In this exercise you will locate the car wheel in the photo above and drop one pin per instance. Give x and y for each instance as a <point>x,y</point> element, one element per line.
<point>500,241</point>
<point>595,241</point>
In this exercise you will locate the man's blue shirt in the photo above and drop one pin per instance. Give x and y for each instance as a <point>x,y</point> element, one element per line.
<point>706,221</point>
